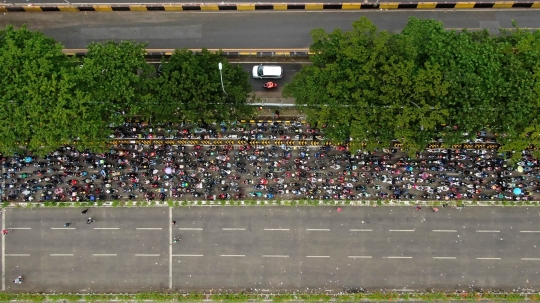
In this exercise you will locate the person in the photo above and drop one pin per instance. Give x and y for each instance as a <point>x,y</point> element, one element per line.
<point>84,211</point>
<point>174,222</point>
<point>177,239</point>
<point>5,232</point>
<point>89,220</point>
<point>19,280</point>
<point>68,224</point>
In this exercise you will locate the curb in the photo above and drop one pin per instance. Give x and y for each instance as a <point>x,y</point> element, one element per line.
<point>267,6</point>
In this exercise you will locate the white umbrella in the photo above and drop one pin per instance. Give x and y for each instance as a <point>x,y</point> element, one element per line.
<point>520,169</point>
<point>168,170</point>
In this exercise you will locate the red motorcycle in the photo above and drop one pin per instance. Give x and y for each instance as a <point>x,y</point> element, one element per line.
<point>270,85</point>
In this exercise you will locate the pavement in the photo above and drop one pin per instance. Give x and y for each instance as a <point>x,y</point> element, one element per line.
<point>266,249</point>
<point>239,30</point>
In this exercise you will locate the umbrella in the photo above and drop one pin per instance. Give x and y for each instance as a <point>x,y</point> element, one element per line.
<point>425,175</point>
<point>28,159</point>
<point>520,169</point>
<point>58,191</point>
<point>26,192</point>
<point>168,170</point>
<point>517,191</point>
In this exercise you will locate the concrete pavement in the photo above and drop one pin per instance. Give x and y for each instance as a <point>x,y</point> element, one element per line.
<point>240,30</point>
<point>272,248</point>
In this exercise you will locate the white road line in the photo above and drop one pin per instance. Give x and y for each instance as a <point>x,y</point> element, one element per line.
<point>104,255</point>
<point>488,258</point>
<point>187,255</point>
<point>170,248</point>
<point>317,256</point>
<point>106,228</point>
<point>21,228</point>
<point>360,229</point>
<point>276,229</point>
<point>146,255</point>
<point>393,257</point>
<point>150,228</point>
<point>275,256</point>
<point>233,229</point>
<point>3,249</point>
<point>529,231</point>
<point>189,228</point>
<point>445,230</point>
<point>401,230</point>
<point>232,255</point>
<point>17,255</point>
<point>530,259</point>
<point>360,257</point>
<point>488,231</point>
<point>318,229</point>
<point>62,227</point>
<point>445,258</point>
<point>61,255</point>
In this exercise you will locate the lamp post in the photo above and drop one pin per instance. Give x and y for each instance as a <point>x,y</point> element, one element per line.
<point>220,66</point>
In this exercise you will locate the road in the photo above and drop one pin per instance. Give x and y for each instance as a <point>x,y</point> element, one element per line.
<point>240,30</point>
<point>264,249</point>
<point>190,1</point>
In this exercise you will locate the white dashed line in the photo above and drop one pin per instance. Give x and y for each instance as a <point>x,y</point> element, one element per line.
<point>530,259</point>
<point>401,230</point>
<point>317,256</point>
<point>106,228</point>
<point>445,258</point>
<point>275,256</point>
<point>20,228</point>
<point>393,257</point>
<point>488,231</point>
<point>488,258</point>
<point>104,255</point>
<point>61,255</point>
<point>187,255</point>
<point>360,229</point>
<point>149,228</point>
<point>360,257</point>
<point>190,228</point>
<point>17,255</point>
<point>232,255</point>
<point>277,229</point>
<point>146,255</point>
<point>318,229</point>
<point>445,230</point>
<point>233,229</point>
<point>529,231</point>
<point>62,227</point>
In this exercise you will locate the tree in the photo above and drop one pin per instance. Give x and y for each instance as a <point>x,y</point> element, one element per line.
<point>189,88</point>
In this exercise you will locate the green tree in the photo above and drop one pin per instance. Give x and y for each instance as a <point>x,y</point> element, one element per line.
<point>189,88</point>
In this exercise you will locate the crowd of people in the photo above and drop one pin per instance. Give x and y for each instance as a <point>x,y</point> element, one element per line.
<point>159,171</point>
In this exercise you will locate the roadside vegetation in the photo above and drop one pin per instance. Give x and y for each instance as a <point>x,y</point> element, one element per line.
<point>422,84</point>
<point>50,99</point>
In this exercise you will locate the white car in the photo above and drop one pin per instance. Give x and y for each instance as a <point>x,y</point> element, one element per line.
<point>267,72</point>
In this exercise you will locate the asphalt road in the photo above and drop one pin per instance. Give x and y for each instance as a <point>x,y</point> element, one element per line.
<point>264,249</point>
<point>241,30</point>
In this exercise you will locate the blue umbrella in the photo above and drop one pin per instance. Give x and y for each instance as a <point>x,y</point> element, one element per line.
<point>92,198</point>
<point>28,159</point>
<point>517,191</point>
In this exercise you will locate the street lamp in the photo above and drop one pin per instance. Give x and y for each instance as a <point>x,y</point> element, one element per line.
<point>220,66</point>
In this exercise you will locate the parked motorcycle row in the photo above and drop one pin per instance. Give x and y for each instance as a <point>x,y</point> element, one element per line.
<point>253,171</point>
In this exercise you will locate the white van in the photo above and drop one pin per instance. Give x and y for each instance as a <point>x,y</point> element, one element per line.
<point>267,72</point>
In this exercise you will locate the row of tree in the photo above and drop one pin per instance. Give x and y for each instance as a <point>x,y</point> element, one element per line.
<point>422,84</point>
<point>48,98</point>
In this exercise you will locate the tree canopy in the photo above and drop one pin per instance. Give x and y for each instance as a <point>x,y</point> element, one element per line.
<point>421,84</point>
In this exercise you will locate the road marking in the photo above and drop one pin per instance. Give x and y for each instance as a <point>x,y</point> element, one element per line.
<point>104,255</point>
<point>488,258</point>
<point>17,255</point>
<point>61,255</point>
<point>529,231</point>
<point>401,230</point>
<point>170,247</point>
<point>445,258</point>
<point>317,256</point>
<point>488,231</point>
<point>397,257</point>
<point>530,259</point>
<point>4,246</point>
<point>146,255</point>
<point>233,229</point>
<point>150,228</point>
<point>318,229</point>
<point>21,228</point>
<point>187,255</point>
<point>360,257</point>
<point>62,227</point>
<point>232,255</point>
<point>445,230</point>
<point>106,228</point>
<point>360,229</point>
<point>190,228</point>
<point>276,229</point>
<point>275,256</point>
